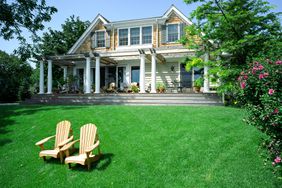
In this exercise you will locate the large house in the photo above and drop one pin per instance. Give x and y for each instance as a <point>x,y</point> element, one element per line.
<point>143,51</point>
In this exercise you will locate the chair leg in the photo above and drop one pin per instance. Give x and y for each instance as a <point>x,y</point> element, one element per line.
<point>61,157</point>
<point>69,166</point>
<point>88,165</point>
<point>44,158</point>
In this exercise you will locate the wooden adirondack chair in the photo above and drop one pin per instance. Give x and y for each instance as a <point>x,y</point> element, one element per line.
<point>61,138</point>
<point>88,142</point>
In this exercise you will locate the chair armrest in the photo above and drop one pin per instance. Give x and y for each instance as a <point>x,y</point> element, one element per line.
<point>65,141</point>
<point>44,140</point>
<point>91,148</point>
<point>67,146</point>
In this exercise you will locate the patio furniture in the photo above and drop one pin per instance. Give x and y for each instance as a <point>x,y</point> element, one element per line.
<point>61,138</point>
<point>88,142</point>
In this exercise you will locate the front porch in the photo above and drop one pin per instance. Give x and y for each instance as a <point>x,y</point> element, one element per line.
<point>147,69</point>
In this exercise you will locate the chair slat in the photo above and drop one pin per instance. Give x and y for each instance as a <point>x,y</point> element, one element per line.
<point>62,132</point>
<point>87,137</point>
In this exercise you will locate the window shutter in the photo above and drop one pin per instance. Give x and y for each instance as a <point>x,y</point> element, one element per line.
<point>108,39</point>
<point>93,41</point>
<point>182,30</point>
<point>163,34</point>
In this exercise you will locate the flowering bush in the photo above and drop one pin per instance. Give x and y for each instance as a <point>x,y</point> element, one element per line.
<point>261,86</point>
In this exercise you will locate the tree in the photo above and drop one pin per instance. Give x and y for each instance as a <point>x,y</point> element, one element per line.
<point>236,31</point>
<point>54,42</point>
<point>14,78</point>
<point>18,14</point>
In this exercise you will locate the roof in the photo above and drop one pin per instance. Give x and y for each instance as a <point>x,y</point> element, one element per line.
<point>109,24</point>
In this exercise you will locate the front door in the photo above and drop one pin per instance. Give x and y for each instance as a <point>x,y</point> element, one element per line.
<point>121,76</point>
<point>185,77</point>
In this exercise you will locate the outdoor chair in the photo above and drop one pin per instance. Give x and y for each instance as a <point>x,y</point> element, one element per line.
<point>88,142</point>
<point>63,131</point>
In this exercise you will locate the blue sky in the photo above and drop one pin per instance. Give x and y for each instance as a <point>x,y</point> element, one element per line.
<point>113,10</point>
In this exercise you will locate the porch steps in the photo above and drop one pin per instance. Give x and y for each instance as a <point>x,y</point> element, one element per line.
<point>127,99</point>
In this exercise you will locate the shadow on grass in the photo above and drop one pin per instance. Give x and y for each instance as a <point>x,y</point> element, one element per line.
<point>100,165</point>
<point>7,112</point>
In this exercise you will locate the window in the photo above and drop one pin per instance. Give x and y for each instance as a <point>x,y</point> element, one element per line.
<point>123,37</point>
<point>172,33</point>
<point>147,35</point>
<point>134,36</point>
<point>100,38</point>
<point>135,74</point>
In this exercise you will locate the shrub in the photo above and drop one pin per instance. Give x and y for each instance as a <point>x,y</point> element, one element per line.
<point>261,92</point>
<point>161,87</point>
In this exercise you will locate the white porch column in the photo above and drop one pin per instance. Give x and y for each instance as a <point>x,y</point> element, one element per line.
<point>65,68</point>
<point>206,79</point>
<point>87,76</point>
<point>49,88</point>
<point>97,75</point>
<point>41,78</point>
<point>142,73</point>
<point>153,74</point>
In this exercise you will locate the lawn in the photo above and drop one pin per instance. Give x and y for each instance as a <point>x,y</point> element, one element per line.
<point>142,146</point>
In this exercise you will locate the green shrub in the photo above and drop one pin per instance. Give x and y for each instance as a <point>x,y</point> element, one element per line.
<point>261,92</point>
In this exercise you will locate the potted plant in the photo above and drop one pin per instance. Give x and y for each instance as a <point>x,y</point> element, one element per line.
<point>160,88</point>
<point>198,83</point>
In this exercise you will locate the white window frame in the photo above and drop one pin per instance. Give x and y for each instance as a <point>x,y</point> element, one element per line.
<point>178,28</point>
<point>96,41</point>
<point>140,41</point>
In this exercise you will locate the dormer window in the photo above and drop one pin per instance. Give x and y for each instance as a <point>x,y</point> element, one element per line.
<point>173,33</point>
<point>100,39</point>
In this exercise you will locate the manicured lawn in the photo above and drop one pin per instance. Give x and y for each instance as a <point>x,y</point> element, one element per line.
<point>143,147</point>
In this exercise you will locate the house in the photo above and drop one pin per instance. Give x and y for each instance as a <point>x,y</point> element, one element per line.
<point>144,51</point>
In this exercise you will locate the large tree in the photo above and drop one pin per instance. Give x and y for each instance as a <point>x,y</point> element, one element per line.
<point>15,15</point>
<point>235,30</point>
<point>14,78</point>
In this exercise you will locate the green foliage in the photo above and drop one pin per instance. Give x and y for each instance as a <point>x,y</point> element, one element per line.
<point>56,42</point>
<point>161,87</point>
<point>134,88</point>
<point>235,32</point>
<point>194,62</point>
<point>261,92</point>
<point>14,78</point>
<point>19,14</point>
<point>199,82</point>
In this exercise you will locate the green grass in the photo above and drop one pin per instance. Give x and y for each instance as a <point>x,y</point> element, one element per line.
<point>142,146</point>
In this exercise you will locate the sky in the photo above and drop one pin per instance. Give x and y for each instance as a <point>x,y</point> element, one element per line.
<point>113,10</point>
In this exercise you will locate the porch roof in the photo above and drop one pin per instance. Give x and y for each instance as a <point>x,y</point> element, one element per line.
<point>112,57</point>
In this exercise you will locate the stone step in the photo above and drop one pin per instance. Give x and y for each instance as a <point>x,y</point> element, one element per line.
<point>128,99</point>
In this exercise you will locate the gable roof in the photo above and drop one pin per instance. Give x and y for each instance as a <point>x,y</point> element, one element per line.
<point>178,12</point>
<point>107,23</point>
<point>82,38</point>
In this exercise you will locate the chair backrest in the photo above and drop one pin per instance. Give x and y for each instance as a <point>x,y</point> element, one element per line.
<point>87,136</point>
<point>62,132</point>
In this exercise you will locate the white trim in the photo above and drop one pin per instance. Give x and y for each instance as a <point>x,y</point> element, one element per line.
<point>178,12</point>
<point>96,41</point>
<point>140,40</point>
<point>86,33</point>
<point>178,30</point>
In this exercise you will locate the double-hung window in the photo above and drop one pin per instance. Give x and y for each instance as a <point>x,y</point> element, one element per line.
<point>123,37</point>
<point>134,36</point>
<point>147,35</point>
<point>100,36</point>
<point>172,32</point>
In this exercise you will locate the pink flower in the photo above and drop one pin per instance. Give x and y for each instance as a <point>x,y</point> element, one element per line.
<point>242,73</point>
<point>276,111</point>
<point>279,62</point>
<point>261,76</point>
<point>243,85</point>
<point>245,77</point>
<point>277,159</point>
<point>239,78</point>
<point>260,67</point>
<point>270,91</point>
<point>266,74</point>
